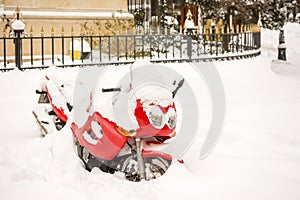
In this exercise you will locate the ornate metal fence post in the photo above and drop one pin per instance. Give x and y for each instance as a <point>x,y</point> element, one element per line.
<point>189,48</point>
<point>18,27</point>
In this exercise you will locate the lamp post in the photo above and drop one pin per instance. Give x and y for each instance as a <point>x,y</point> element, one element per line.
<point>231,13</point>
<point>281,46</point>
<point>18,27</point>
<point>147,8</point>
<point>139,16</point>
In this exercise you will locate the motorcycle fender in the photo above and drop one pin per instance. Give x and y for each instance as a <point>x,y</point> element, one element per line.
<point>147,154</point>
<point>109,145</point>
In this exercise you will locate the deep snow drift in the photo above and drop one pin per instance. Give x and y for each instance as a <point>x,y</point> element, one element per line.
<point>258,156</point>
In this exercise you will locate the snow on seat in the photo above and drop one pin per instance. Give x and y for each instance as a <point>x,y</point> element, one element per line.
<point>60,85</point>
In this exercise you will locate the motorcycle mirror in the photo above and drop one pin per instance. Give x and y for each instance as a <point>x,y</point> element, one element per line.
<point>180,84</point>
<point>40,92</point>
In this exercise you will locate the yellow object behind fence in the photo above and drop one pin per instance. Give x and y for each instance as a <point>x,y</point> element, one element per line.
<point>77,55</point>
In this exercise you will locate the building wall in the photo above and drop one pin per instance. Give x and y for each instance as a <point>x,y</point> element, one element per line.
<point>66,5</point>
<point>91,15</point>
<point>63,13</point>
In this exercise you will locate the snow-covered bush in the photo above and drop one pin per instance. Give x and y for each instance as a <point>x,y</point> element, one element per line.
<point>297,18</point>
<point>274,15</point>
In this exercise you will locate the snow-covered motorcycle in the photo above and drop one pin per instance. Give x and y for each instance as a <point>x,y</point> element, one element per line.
<point>102,142</point>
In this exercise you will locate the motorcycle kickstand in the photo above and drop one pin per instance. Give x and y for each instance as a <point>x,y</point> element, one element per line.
<point>140,159</point>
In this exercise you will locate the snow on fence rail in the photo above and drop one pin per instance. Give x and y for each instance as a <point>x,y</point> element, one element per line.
<point>40,52</point>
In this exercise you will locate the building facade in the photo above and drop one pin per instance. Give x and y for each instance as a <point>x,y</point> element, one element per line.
<point>63,13</point>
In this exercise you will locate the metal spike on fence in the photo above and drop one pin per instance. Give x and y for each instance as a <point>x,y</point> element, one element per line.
<point>31,32</point>
<point>81,31</point>
<point>62,31</point>
<point>254,28</point>
<point>251,27</point>
<point>4,33</point>
<point>72,31</point>
<point>228,29</point>
<point>42,31</point>
<point>52,31</point>
<point>99,32</point>
<point>18,10</point>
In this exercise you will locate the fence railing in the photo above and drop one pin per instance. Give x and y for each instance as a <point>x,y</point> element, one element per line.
<point>41,52</point>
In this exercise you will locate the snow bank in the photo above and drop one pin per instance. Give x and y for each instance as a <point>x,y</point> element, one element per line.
<point>270,42</point>
<point>292,35</point>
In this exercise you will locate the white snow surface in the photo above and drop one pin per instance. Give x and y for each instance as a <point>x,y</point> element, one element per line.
<point>257,158</point>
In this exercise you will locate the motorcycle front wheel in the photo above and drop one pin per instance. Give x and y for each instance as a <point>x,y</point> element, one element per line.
<point>155,167</point>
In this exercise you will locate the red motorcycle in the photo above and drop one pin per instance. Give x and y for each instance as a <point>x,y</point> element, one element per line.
<point>103,143</point>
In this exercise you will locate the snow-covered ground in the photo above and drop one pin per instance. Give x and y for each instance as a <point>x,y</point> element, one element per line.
<point>257,158</point>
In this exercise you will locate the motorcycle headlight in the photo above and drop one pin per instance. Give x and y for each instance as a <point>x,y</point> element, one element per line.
<point>172,118</point>
<point>156,117</point>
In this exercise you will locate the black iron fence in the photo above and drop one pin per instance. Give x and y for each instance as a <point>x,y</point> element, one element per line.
<point>41,52</point>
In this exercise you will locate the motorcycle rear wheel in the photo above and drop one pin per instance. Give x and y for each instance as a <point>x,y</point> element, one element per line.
<point>87,159</point>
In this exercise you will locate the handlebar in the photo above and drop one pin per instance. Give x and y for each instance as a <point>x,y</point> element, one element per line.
<point>111,89</point>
